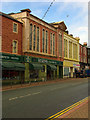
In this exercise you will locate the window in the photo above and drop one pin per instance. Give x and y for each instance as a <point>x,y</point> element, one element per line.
<point>65,48</point>
<point>51,43</point>
<point>15,27</point>
<point>34,38</point>
<point>14,46</point>
<point>70,49</point>
<point>30,43</point>
<point>37,39</point>
<point>43,40</point>
<point>74,51</point>
<point>60,45</point>
<point>46,41</point>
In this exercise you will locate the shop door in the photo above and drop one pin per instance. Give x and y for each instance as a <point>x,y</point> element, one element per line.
<point>60,72</point>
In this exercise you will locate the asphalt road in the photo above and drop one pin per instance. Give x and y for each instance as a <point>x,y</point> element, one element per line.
<point>42,101</point>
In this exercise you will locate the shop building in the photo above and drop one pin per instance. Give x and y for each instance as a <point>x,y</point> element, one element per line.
<point>83,56</point>
<point>11,51</point>
<point>71,55</point>
<point>88,56</point>
<point>42,47</point>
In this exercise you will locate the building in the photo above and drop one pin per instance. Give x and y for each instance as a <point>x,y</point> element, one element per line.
<point>71,55</point>
<point>83,56</point>
<point>11,50</point>
<point>88,56</point>
<point>42,47</point>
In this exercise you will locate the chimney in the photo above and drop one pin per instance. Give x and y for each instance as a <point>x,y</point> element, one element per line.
<point>85,43</point>
<point>27,10</point>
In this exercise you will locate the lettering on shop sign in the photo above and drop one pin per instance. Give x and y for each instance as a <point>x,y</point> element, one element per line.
<point>7,57</point>
<point>46,61</point>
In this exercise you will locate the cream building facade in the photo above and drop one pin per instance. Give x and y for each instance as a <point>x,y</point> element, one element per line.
<point>71,55</point>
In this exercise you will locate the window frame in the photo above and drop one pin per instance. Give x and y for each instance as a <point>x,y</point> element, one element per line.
<point>16,28</point>
<point>16,47</point>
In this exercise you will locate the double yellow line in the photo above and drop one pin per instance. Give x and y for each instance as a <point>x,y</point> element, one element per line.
<point>67,109</point>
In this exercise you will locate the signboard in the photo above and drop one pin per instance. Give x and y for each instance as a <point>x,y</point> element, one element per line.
<point>76,65</point>
<point>10,57</point>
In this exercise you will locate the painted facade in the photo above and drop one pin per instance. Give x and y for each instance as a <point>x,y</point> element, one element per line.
<point>71,55</point>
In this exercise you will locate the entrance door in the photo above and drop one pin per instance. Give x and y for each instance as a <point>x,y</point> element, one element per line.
<point>60,71</point>
<point>71,71</point>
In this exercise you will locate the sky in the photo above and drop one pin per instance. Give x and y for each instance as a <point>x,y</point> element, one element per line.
<point>74,14</point>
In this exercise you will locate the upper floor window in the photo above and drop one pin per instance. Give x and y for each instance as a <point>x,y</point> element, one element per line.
<point>53,44</point>
<point>15,47</point>
<point>70,49</point>
<point>50,43</point>
<point>34,38</point>
<point>46,41</point>
<point>37,39</point>
<point>30,38</point>
<point>43,40</point>
<point>60,44</point>
<point>15,27</point>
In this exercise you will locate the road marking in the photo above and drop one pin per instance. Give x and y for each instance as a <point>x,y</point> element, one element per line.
<point>67,109</point>
<point>36,93</point>
<point>13,98</point>
<point>24,96</point>
<point>57,88</point>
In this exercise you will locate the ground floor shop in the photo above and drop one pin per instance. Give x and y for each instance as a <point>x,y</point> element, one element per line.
<point>12,68</point>
<point>40,69</point>
<point>69,68</point>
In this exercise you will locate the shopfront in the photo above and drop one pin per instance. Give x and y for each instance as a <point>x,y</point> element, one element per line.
<point>69,68</point>
<point>37,69</point>
<point>12,68</point>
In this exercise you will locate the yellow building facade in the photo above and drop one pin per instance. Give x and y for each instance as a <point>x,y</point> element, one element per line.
<point>71,55</point>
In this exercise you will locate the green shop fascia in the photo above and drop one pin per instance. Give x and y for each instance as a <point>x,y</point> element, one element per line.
<point>12,66</point>
<point>44,68</point>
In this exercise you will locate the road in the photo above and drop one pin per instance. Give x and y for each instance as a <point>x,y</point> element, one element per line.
<point>43,101</point>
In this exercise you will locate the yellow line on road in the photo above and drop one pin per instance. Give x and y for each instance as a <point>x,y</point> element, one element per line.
<point>66,109</point>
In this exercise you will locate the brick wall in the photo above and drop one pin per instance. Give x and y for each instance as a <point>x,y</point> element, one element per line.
<point>8,35</point>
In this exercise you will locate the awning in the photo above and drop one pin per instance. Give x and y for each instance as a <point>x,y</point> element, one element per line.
<point>51,67</point>
<point>13,66</point>
<point>35,66</point>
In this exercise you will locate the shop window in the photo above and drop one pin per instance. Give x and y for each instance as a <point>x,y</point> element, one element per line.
<point>15,27</point>
<point>15,46</point>
<point>43,70</point>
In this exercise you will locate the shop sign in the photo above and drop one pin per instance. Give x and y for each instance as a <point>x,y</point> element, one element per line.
<point>27,59</point>
<point>40,60</point>
<point>76,65</point>
<point>10,57</point>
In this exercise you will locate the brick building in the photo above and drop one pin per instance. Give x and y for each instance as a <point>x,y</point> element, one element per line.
<point>88,56</point>
<point>11,48</point>
<point>83,56</point>
<point>42,46</point>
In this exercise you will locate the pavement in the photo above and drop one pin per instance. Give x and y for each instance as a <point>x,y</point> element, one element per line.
<point>80,111</point>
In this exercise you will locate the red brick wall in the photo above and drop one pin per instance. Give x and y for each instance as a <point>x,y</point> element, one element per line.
<point>8,35</point>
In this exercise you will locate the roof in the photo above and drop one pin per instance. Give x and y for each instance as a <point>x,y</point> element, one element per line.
<point>60,24</point>
<point>9,17</point>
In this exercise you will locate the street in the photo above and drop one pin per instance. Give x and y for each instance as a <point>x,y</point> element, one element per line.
<point>43,101</point>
